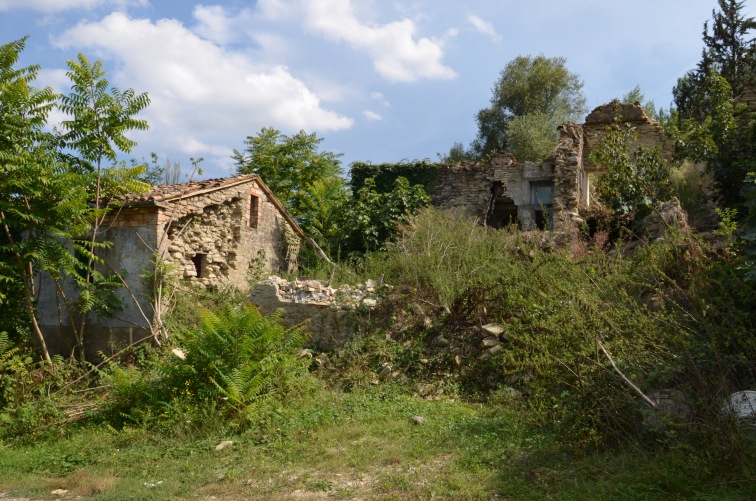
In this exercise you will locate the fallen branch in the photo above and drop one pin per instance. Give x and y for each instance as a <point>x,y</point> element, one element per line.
<point>627,380</point>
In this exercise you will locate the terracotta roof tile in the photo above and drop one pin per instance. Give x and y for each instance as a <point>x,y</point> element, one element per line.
<point>167,193</point>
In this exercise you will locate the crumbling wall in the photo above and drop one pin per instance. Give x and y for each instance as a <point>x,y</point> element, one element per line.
<point>570,180</point>
<point>627,117</point>
<point>330,315</point>
<point>221,236</point>
<point>465,187</point>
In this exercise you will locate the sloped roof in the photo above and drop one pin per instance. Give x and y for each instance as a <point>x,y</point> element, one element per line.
<point>163,195</point>
<point>171,192</point>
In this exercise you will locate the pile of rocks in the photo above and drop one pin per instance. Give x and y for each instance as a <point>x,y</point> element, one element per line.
<point>318,292</point>
<point>665,216</point>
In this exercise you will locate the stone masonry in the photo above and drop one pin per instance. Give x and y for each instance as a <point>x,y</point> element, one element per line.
<point>330,315</point>
<point>210,232</point>
<point>546,194</point>
<point>627,117</point>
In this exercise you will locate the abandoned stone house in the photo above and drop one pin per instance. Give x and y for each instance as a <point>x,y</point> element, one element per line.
<point>208,232</point>
<point>545,194</point>
<point>216,231</point>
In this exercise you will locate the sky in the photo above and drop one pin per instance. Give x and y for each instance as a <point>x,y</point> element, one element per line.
<point>377,80</point>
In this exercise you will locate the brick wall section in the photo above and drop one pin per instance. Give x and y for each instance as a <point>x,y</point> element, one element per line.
<point>627,116</point>
<point>133,216</point>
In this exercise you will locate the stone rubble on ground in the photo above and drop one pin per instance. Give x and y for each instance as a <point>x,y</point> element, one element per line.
<point>319,292</point>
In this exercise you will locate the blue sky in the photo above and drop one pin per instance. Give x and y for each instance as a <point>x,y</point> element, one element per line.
<point>378,80</point>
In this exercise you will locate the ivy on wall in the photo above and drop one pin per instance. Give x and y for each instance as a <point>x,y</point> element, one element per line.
<point>385,175</point>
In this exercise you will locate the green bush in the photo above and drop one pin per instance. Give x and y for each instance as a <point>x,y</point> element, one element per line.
<point>235,361</point>
<point>669,316</point>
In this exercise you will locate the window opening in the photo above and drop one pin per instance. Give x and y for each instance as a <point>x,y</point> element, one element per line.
<point>254,211</point>
<point>542,194</point>
<point>199,262</point>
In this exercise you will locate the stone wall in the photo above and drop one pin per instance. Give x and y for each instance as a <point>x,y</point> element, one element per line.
<point>330,315</point>
<point>226,234</point>
<point>505,188</point>
<point>465,187</point>
<point>628,117</point>
<point>570,180</point>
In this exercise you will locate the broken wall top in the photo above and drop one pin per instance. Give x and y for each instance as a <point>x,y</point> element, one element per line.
<point>616,115</point>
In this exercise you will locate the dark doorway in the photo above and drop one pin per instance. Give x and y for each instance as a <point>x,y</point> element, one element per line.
<point>199,262</point>
<point>502,211</point>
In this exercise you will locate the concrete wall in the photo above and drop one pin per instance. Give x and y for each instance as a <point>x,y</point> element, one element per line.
<point>129,255</point>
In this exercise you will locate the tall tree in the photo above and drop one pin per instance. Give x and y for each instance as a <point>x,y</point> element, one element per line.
<point>534,87</point>
<point>289,165</point>
<point>729,48</point>
<point>708,127</point>
<point>41,203</point>
<point>100,119</point>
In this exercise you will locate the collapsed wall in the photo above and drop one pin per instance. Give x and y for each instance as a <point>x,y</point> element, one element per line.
<point>631,117</point>
<point>330,315</point>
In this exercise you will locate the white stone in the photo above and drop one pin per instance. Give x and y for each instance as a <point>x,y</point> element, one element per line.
<point>494,329</point>
<point>224,444</point>
<point>742,404</point>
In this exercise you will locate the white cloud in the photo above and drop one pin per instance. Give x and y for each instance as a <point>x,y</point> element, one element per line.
<point>214,23</point>
<point>482,26</point>
<point>372,116</point>
<point>203,96</point>
<point>396,55</point>
<point>61,5</point>
<point>377,96</point>
<point>273,9</point>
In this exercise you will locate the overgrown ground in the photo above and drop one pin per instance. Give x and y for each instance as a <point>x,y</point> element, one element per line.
<point>360,445</point>
<point>543,414</point>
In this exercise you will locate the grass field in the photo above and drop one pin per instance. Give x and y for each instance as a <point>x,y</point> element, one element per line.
<point>359,445</point>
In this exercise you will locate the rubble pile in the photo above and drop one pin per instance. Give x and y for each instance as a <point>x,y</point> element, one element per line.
<point>318,292</point>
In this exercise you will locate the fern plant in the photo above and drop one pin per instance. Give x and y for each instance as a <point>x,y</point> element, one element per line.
<point>241,358</point>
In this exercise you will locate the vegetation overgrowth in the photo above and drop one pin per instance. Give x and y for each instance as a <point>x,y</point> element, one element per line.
<point>548,414</point>
<point>499,363</point>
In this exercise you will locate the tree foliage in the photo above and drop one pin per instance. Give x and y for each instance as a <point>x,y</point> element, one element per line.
<point>47,182</point>
<point>709,125</point>
<point>40,203</point>
<point>531,137</point>
<point>540,86</point>
<point>374,218</point>
<point>287,164</point>
<point>631,180</point>
<point>729,47</point>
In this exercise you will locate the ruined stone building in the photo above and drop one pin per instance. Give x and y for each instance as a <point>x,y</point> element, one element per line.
<point>543,194</point>
<point>210,232</point>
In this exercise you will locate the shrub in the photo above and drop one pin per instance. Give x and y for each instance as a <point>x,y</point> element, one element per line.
<point>236,360</point>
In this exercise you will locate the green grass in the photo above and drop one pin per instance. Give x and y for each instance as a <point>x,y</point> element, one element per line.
<point>358,445</point>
